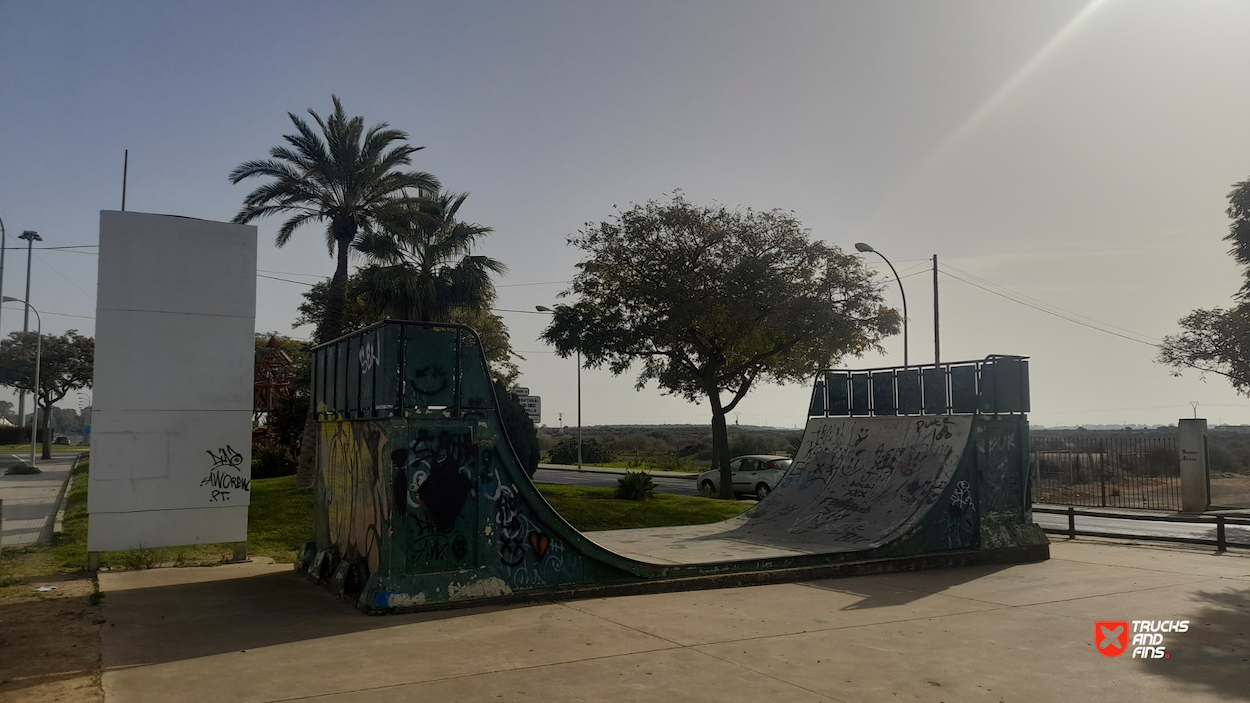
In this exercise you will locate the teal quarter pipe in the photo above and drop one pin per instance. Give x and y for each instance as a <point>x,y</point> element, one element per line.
<point>421,502</point>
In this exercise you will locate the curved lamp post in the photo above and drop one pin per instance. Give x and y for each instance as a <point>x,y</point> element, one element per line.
<point>860,246</point>
<point>34,429</point>
<point>544,308</point>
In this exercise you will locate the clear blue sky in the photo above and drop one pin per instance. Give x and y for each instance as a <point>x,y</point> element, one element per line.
<point>1075,152</point>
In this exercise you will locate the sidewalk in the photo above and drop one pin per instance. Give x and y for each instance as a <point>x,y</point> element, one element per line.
<point>31,501</point>
<point>608,470</point>
<point>257,632</point>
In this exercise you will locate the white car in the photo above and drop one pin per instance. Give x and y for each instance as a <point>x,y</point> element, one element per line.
<point>753,474</point>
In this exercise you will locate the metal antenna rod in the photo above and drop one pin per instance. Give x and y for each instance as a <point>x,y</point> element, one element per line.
<point>937,344</point>
<point>125,173</point>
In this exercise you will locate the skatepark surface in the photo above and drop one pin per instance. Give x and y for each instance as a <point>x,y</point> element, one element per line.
<point>998,633</point>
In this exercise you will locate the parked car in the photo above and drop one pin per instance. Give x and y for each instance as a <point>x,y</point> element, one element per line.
<point>61,440</point>
<point>753,474</point>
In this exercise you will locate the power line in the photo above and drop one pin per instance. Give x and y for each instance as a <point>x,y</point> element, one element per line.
<point>67,278</point>
<point>294,273</point>
<point>1048,312</point>
<point>1049,305</point>
<point>286,280</point>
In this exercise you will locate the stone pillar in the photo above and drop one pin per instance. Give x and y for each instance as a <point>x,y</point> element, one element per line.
<point>1191,445</point>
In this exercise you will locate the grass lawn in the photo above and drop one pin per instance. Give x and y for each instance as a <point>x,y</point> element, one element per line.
<point>687,465</point>
<point>590,509</point>
<point>280,519</point>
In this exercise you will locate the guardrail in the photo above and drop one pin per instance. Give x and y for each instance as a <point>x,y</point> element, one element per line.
<point>1218,521</point>
<point>997,384</point>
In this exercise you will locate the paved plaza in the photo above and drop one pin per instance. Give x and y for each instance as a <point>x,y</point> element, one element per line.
<point>257,632</point>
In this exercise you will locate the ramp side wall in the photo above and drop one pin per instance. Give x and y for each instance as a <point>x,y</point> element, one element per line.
<point>427,508</point>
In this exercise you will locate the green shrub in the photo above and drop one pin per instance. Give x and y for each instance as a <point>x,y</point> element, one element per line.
<point>593,452</point>
<point>141,558</point>
<point>272,460</point>
<point>635,485</point>
<point>22,469</point>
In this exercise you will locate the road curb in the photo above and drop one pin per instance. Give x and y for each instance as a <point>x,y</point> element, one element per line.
<point>50,527</point>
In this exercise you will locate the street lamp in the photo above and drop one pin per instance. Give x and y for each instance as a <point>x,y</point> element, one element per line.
<point>544,308</point>
<point>860,246</point>
<point>4,240</point>
<point>31,236</point>
<point>34,425</point>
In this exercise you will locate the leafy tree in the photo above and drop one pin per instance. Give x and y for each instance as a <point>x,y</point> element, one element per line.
<point>520,428</point>
<point>65,364</point>
<point>422,265</point>
<point>344,177</point>
<point>711,300</point>
<point>496,341</point>
<point>1218,340</point>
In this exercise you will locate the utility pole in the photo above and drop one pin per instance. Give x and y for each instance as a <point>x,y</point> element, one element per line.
<point>579,407</point>
<point>937,344</point>
<point>31,237</point>
<point>4,238</point>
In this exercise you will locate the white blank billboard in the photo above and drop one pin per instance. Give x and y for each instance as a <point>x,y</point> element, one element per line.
<point>172,416</point>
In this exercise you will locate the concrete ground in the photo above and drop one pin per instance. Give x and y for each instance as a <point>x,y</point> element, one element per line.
<point>257,632</point>
<point>31,500</point>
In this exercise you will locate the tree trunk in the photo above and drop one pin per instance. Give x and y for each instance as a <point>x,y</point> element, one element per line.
<point>332,324</point>
<point>720,448</point>
<point>306,471</point>
<point>47,435</point>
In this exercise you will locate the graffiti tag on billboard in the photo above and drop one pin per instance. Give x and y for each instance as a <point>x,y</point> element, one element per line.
<point>219,478</point>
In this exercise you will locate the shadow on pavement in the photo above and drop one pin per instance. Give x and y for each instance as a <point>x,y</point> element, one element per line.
<point>876,594</point>
<point>1217,643</point>
<point>175,622</point>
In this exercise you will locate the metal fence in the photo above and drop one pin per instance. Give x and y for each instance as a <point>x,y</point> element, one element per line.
<point>997,384</point>
<point>1117,472</point>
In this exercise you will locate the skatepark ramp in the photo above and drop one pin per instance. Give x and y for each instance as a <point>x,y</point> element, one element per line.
<point>421,502</point>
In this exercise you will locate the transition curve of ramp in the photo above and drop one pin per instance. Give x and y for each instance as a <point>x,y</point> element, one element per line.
<point>422,501</point>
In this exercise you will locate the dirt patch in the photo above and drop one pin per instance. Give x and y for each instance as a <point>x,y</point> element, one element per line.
<point>1140,492</point>
<point>1230,491</point>
<point>50,641</point>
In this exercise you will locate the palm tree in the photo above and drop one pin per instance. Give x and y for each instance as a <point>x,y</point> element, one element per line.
<point>424,266</point>
<point>345,177</point>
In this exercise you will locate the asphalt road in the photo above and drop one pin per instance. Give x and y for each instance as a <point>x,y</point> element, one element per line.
<point>1235,534</point>
<point>8,459</point>
<point>679,486</point>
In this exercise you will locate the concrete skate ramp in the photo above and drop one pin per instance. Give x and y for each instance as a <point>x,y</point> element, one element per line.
<point>855,484</point>
<point>421,500</point>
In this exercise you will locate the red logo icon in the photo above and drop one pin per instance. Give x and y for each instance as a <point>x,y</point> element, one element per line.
<point>1111,638</point>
